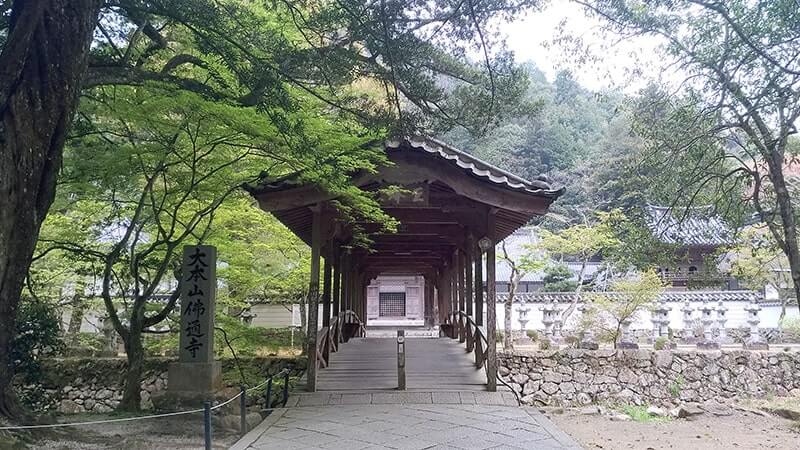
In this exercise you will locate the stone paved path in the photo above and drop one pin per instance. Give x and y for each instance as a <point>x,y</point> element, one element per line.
<point>406,426</point>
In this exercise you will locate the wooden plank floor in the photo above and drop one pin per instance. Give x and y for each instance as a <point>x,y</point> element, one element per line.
<point>365,364</point>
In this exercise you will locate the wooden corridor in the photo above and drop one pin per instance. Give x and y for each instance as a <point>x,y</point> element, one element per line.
<point>365,364</point>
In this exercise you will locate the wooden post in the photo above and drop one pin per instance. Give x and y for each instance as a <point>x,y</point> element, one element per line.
<point>401,360</point>
<point>469,294</point>
<point>462,290</point>
<point>337,276</point>
<point>478,287</point>
<point>345,280</point>
<point>327,272</point>
<point>491,309</point>
<point>313,300</point>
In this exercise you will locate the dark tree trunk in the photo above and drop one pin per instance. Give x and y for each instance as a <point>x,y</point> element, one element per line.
<point>791,247</point>
<point>41,66</point>
<point>132,395</point>
<point>76,320</point>
<point>508,339</point>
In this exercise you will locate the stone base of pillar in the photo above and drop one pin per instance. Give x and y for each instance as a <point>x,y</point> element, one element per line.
<point>588,345</point>
<point>708,345</point>
<point>194,377</point>
<point>627,345</point>
<point>756,345</point>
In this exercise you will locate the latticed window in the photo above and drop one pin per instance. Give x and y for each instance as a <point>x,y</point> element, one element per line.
<point>392,304</point>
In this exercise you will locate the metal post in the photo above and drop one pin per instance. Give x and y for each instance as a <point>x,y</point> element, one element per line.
<point>286,388</point>
<point>401,360</point>
<point>242,410</point>
<point>268,394</point>
<point>207,423</point>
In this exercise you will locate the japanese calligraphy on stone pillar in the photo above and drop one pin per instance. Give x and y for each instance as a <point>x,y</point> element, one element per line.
<point>198,296</point>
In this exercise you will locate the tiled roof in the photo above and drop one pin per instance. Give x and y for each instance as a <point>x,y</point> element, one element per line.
<point>475,166</point>
<point>698,227</point>
<point>669,296</point>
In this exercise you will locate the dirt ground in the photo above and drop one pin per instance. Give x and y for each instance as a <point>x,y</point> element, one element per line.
<point>740,430</point>
<point>184,432</point>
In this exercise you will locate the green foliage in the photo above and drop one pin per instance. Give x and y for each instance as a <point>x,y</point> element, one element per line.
<point>660,343</point>
<point>533,335</point>
<point>37,335</point>
<point>790,326</point>
<point>557,279</point>
<point>640,414</point>
<point>250,341</point>
<point>629,296</point>
<point>676,387</point>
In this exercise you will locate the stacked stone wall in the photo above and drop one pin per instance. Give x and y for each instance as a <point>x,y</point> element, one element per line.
<point>574,377</point>
<point>76,385</point>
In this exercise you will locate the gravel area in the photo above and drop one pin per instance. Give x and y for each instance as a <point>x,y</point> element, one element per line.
<point>185,432</point>
<point>739,430</point>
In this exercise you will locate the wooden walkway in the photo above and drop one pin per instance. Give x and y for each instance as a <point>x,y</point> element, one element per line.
<point>367,364</point>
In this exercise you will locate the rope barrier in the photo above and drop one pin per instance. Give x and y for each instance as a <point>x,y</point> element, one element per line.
<point>129,419</point>
<point>94,422</point>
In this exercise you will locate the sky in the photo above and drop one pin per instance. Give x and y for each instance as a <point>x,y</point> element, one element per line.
<point>530,35</point>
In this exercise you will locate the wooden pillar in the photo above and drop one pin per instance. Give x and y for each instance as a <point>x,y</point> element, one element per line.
<point>469,260</point>
<point>346,275</point>
<point>337,278</point>
<point>491,308</point>
<point>327,277</point>
<point>313,300</point>
<point>478,286</point>
<point>462,290</point>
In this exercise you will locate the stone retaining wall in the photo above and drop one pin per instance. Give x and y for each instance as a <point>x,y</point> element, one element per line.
<point>578,377</point>
<point>74,385</point>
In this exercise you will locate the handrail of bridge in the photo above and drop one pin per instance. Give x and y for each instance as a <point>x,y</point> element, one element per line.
<point>462,325</point>
<point>329,337</point>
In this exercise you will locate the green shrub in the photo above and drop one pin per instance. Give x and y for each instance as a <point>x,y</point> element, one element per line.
<point>660,343</point>
<point>790,327</point>
<point>533,335</point>
<point>545,344</point>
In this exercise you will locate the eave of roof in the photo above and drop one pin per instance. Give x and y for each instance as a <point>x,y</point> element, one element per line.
<point>474,167</point>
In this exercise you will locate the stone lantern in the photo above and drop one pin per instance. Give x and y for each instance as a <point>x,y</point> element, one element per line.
<point>549,318</point>
<point>722,318</point>
<point>688,321</point>
<point>708,342</point>
<point>522,318</point>
<point>660,319</point>
<point>588,341</point>
<point>755,341</point>
<point>626,340</point>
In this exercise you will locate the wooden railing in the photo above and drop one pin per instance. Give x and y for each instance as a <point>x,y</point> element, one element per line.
<point>340,330</point>
<point>463,326</point>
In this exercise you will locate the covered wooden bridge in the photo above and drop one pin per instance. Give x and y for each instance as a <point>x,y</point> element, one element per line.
<point>452,209</point>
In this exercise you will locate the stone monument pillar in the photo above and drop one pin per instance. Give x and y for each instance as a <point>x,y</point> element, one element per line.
<point>197,375</point>
<point>548,319</point>
<point>755,341</point>
<point>661,323</point>
<point>708,342</point>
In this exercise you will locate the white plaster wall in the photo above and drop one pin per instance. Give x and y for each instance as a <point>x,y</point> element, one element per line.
<point>736,314</point>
